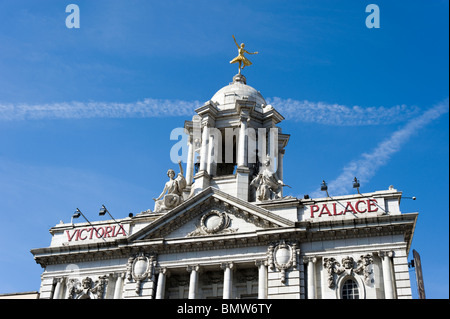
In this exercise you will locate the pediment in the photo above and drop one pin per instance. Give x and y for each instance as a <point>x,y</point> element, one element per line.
<point>210,213</point>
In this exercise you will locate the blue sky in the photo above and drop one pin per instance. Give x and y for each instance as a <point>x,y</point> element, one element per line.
<point>86,114</point>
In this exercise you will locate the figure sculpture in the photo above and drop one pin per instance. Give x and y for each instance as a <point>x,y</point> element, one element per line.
<point>243,61</point>
<point>174,188</point>
<point>267,183</point>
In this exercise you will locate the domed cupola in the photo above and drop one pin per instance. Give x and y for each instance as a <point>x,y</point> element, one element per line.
<point>226,97</point>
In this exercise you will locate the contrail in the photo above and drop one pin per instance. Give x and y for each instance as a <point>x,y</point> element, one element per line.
<point>78,110</point>
<point>365,167</point>
<point>302,111</point>
<point>341,115</point>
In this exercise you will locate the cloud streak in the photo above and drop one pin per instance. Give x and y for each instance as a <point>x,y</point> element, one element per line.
<point>341,115</point>
<point>366,166</point>
<point>302,111</point>
<point>78,110</point>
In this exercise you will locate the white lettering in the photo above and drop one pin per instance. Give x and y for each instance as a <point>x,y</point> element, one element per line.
<point>373,19</point>
<point>73,19</point>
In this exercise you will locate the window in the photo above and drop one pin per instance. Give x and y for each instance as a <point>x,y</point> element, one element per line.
<point>350,289</point>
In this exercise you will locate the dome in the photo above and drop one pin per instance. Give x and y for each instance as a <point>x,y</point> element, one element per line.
<point>237,90</point>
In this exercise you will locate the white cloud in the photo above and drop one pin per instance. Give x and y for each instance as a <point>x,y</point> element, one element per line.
<point>335,114</point>
<point>366,166</point>
<point>78,110</point>
<point>303,111</point>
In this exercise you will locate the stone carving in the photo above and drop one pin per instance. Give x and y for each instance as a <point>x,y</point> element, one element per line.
<point>267,183</point>
<point>139,268</point>
<point>87,288</point>
<point>174,188</point>
<point>365,268</point>
<point>212,222</point>
<point>334,268</point>
<point>330,265</point>
<point>282,257</point>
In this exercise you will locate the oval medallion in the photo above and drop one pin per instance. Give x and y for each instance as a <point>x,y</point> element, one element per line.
<point>283,255</point>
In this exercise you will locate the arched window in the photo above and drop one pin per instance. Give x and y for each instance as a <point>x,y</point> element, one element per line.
<point>350,289</point>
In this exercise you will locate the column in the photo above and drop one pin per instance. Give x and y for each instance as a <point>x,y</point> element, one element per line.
<point>280,168</point>
<point>387,273</point>
<point>193,281</point>
<point>57,291</point>
<point>118,286</point>
<point>310,260</point>
<point>161,287</point>
<point>227,280</point>
<point>190,161</point>
<point>262,278</point>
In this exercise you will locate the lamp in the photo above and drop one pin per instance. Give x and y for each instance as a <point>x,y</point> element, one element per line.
<point>78,213</point>
<point>324,187</point>
<point>356,184</point>
<point>103,211</point>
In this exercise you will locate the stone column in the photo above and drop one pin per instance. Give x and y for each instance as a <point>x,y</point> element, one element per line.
<point>118,286</point>
<point>387,273</point>
<point>311,261</point>
<point>280,168</point>
<point>58,288</point>
<point>262,278</point>
<point>193,281</point>
<point>227,280</point>
<point>161,287</point>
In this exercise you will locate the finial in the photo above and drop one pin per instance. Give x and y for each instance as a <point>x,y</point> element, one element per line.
<point>239,78</point>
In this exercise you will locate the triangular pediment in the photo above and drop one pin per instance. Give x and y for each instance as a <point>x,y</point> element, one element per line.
<point>211,212</point>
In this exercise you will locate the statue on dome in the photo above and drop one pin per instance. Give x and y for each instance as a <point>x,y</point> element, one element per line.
<point>174,188</point>
<point>267,183</point>
<point>243,61</point>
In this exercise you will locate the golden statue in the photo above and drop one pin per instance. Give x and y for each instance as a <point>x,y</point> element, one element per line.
<point>243,61</point>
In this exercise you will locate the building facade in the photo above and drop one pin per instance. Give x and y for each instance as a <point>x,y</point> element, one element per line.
<point>222,227</point>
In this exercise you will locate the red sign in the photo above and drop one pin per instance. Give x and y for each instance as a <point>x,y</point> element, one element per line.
<point>336,209</point>
<point>95,232</point>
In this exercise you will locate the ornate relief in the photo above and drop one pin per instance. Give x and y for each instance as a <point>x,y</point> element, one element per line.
<point>213,222</point>
<point>331,266</point>
<point>87,288</point>
<point>139,268</point>
<point>334,268</point>
<point>364,268</point>
<point>282,256</point>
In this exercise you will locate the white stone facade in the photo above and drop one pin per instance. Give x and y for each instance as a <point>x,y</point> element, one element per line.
<point>224,241</point>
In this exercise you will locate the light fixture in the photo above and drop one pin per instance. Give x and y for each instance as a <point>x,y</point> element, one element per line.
<point>356,184</point>
<point>324,187</point>
<point>104,210</point>
<point>78,213</point>
<point>413,198</point>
